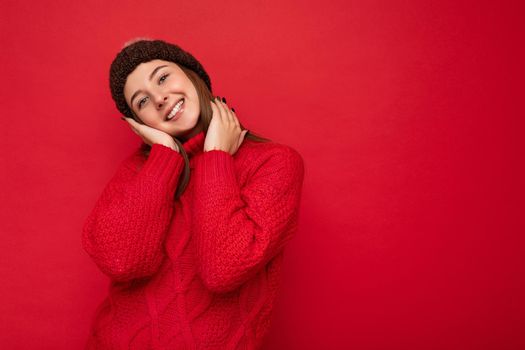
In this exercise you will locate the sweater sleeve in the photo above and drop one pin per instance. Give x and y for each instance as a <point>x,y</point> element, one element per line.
<point>125,230</point>
<point>238,230</point>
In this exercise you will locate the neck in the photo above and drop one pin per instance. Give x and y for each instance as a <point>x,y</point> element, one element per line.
<point>197,129</point>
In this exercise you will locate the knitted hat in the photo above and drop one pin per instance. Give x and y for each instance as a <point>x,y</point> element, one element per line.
<point>144,51</point>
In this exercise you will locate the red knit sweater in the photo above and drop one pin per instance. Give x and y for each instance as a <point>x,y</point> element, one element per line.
<point>200,272</point>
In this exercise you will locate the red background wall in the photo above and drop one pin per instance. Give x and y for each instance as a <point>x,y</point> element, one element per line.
<point>408,116</point>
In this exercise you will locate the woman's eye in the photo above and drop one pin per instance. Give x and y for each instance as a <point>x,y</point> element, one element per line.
<point>162,78</point>
<point>141,102</point>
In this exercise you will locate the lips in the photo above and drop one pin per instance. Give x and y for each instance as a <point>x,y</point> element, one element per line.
<point>176,116</point>
<point>171,109</point>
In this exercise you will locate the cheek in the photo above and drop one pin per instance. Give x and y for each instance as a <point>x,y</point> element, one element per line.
<point>148,118</point>
<point>195,106</point>
<point>197,110</point>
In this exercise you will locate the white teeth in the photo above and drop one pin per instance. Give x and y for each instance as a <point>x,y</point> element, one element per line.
<point>175,109</point>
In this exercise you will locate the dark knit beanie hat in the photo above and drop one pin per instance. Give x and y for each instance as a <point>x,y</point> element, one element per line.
<point>143,51</point>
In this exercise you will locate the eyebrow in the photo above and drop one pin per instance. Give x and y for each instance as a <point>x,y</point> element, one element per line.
<point>150,77</point>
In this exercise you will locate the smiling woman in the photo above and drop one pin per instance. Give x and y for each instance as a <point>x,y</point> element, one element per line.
<point>146,78</point>
<point>194,262</point>
<point>154,89</point>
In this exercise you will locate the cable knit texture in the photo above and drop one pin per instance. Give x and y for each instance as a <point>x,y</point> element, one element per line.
<point>200,272</point>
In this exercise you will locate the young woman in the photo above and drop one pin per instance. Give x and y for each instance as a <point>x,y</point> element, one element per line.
<point>191,228</point>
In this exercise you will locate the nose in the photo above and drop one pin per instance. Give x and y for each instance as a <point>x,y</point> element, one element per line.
<point>161,100</point>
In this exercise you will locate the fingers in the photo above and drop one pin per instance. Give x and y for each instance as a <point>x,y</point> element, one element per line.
<point>236,120</point>
<point>222,110</point>
<point>227,113</point>
<point>215,109</point>
<point>232,115</point>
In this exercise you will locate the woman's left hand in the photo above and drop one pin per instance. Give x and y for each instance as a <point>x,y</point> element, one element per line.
<point>224,132</point>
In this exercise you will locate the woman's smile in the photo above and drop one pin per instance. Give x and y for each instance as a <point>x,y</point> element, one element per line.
<point>176,112</point>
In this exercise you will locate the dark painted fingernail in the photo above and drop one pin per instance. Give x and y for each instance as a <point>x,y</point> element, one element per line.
<point>233,109</point>
<point>224,100</point>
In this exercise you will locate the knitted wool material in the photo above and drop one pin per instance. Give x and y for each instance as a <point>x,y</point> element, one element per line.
<point>202,271</point>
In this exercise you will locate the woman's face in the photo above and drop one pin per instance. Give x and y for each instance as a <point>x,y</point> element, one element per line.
<point>154,89</point>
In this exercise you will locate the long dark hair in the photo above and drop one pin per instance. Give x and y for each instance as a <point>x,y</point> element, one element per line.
<point>204,118</point>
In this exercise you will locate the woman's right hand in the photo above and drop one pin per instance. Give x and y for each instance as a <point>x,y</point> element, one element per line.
<point>151,135</point>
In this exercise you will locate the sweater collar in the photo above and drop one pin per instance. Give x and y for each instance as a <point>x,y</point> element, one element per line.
<point>195,144</point>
